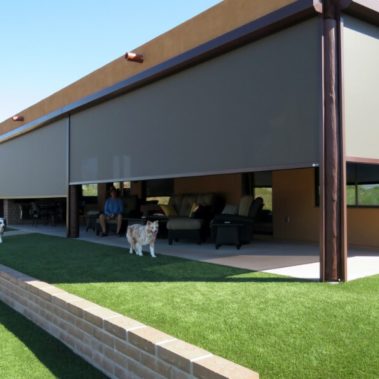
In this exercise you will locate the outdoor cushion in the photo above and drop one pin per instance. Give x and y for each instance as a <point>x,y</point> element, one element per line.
<point>184,223</point>
<point>194,208</point>
<point>245,204</point>
<point>176,201</point>
<point>230,209</point>
<point>168,210</point>
<point>205,199</point>
<point>183,203</point>
<point>186,205</point>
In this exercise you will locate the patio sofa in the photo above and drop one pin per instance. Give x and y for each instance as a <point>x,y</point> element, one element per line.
<point>189,215</point>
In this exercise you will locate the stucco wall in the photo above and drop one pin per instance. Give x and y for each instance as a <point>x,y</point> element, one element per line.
<point>297,218</point>
<point>295,215</point>
<point>363,226</point>
<point>229,185</point>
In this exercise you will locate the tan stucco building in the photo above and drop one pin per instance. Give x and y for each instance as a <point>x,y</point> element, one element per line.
<point>279,86</point>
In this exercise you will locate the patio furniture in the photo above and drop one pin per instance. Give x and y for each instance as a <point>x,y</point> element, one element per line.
<point>90,219</point>
<point>48,211</point>
<point>247,211</point>
<point>228,233</point>
<point>28,211</point>
<point>149,209</point>
<point>190,214</point>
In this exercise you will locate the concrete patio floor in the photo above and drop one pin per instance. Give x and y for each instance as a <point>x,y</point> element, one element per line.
<point>298,260</point>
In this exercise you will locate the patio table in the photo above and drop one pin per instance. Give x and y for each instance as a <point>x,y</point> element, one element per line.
<point>227,233</point>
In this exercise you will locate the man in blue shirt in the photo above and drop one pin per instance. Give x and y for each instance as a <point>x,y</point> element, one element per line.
<point>113,209</point>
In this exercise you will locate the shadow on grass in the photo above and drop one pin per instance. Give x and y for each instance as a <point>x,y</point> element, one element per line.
<point>55,356</point>
<point>61,260</point>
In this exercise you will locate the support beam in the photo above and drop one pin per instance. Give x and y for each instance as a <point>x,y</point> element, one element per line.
<point>73,212</point>
<point>333,253</point>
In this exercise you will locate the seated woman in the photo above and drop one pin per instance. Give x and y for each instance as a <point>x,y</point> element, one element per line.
<point>113,209</point>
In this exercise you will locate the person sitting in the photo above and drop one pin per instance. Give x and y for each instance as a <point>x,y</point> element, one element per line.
<point>113,209</point>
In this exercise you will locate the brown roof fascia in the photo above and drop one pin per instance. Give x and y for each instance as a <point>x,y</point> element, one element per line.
<point>367,10</point>
<point>362,160</point>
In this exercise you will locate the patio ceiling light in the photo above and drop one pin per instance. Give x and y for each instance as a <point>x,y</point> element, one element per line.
<point>134,57</point>
<point>18,118</point>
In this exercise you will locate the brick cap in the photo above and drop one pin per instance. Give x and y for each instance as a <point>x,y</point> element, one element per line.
<point>181,354</point>
<point>220,368</point>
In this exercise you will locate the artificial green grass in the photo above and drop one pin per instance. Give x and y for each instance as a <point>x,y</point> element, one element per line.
<point>278,326</point>
<point>28,352</point>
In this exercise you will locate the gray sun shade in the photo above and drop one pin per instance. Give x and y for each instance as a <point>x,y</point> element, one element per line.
<point>35,164</point>
<point>257,107</point>
<point>361,84</point>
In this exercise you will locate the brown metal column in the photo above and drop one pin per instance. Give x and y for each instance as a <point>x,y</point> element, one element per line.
<point>333,165</point>
<point>73,212</point>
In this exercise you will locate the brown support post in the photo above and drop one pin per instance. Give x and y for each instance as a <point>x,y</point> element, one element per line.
<point>333,164</point>
<point>101,194</point>
<point>73,212</point>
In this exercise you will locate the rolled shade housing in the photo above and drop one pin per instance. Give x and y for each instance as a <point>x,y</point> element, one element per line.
<point>257,107</point>
<point>35,164</point>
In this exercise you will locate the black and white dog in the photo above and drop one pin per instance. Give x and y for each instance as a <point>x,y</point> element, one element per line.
<point>2,229</point>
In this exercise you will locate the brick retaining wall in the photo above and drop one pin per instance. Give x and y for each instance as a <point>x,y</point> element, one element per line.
<point>117,345</point>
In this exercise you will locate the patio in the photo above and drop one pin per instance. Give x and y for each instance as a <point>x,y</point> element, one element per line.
<point>298,260</point>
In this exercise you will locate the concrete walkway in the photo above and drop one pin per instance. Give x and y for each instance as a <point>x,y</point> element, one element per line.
<point>298,260</point>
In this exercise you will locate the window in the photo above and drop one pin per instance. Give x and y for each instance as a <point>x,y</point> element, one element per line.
<point>351,195</point>
<point>259,184</point>
<point>362,188</point>
<point>122,187</point>
<point>368,194</point>
<point>89,190</point>
<point>266,194</point>
<point>362,185</point>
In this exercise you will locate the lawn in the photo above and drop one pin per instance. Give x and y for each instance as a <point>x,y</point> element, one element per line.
<point>280,327</point>
<point>26,351</point>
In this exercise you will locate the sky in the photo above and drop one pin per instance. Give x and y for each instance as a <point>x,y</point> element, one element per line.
<point>48,44</point>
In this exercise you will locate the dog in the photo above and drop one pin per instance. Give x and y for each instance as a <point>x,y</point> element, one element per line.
<point>139,235</point>
<point>2,229</point>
